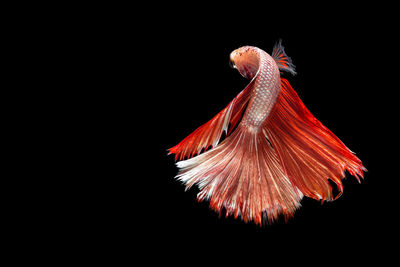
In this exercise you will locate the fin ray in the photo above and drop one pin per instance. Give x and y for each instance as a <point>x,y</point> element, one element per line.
<point>243,176</point>
<point>283,61</point>
<point>210,133</point>
<point>309,153</point>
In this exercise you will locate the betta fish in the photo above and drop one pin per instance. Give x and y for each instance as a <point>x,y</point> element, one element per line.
<point>275,151</point>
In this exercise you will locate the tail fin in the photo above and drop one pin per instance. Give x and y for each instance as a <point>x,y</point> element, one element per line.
<point>309,153</point>
<point>243,176</point>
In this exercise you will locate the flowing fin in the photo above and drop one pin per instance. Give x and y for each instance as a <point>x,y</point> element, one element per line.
<point>282,60</point>
<point>309,153</point>
<point>243,176</point>
<point>209,133</point>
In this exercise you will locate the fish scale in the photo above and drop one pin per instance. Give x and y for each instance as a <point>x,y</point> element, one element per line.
<point>266,90</point>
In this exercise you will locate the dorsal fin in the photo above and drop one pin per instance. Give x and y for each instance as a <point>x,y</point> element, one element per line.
<point>282,60</point>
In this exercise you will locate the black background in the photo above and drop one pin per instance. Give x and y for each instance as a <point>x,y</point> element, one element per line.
<point>111,88</point>
<point>169,74</point>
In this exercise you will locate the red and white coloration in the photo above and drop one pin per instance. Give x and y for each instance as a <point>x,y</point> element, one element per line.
<point>278,153</point>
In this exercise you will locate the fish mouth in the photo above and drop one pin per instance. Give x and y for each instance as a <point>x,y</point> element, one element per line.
<point>232,64</point>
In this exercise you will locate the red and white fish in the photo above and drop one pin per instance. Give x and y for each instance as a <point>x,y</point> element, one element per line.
<point>278,153</point>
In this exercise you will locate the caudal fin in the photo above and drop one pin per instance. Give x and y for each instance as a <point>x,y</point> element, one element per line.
<point>243,176</point>
<point>309,153</point>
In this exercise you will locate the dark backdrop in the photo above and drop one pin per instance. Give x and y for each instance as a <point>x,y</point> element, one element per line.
<point>172,76</point>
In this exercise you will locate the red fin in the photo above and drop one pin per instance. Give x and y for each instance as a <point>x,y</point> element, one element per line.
<point>282,60</point>
<point>210,133</point>
<point>243,176</point>
<point>309,153</point>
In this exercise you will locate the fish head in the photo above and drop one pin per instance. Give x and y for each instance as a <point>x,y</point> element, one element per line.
<point>246,60</point>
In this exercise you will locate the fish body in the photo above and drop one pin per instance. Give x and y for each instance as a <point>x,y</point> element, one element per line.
<point>278,153</point>
<point>266,85</point>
